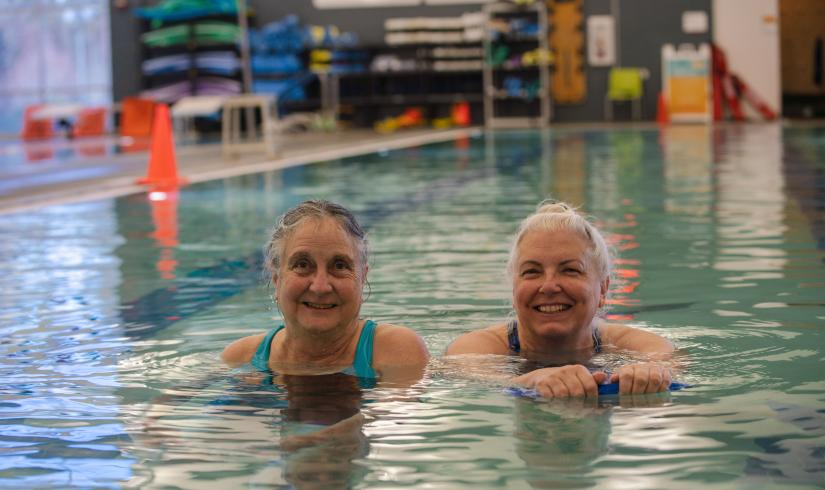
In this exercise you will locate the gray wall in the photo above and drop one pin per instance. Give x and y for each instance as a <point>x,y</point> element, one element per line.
<point>644,25</point>
<point>126,54</point>
<point>367,23</point>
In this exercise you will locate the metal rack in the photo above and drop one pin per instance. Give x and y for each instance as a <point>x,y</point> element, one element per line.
<point>508,108</point>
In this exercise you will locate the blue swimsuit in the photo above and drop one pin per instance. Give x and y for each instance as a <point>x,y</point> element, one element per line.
<point>361,364</point>
<point>515,345</point>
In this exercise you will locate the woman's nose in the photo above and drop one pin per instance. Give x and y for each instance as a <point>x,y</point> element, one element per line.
<point>550,284</point>
<point>320,282</point>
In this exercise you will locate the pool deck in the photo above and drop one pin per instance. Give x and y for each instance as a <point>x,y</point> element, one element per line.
<point>61,171</point>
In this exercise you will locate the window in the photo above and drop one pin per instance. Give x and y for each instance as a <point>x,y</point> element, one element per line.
<point>53,51</point>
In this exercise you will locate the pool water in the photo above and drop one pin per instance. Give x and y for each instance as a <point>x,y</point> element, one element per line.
<point>114,312</point>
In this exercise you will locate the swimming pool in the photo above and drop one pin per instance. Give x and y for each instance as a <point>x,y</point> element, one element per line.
<point>114,312</point>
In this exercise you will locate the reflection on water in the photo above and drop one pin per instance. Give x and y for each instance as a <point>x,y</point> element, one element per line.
<point>561,441</point>
<point>113,314</point>
<point>60,414</point>
<point>241,424</point>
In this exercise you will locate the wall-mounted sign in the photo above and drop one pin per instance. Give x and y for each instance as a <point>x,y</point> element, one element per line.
<point>695,21</point>
<point>601,40</point>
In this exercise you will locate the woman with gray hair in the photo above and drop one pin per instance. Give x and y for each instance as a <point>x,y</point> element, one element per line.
<point>317,262</point>
<point>560,269</point>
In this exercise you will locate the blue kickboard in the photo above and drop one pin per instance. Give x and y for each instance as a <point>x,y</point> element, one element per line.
<point>604,389</point>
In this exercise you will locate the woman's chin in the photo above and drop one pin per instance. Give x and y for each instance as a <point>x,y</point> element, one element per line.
<point>549,329</point>
<point>320,321</point>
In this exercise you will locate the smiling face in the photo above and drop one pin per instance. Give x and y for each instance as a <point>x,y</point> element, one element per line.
<point>319,283</point>
<point>557,289</point>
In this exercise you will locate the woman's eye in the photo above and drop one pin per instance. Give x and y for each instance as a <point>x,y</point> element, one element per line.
<point>340,265</point>
<point>574,271</point>
<point>301,265</point>
<point>529,273</point>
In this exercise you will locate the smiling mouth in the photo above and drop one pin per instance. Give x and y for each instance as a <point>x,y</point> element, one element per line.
<point>551,308</point>
<point>319,306</point>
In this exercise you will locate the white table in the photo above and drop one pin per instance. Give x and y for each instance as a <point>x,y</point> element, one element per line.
<point>185,110</point>
<point>235,137</point>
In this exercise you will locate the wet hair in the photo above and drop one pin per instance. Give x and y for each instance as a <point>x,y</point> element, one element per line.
<point>554,215</point>
<point>316,209</point>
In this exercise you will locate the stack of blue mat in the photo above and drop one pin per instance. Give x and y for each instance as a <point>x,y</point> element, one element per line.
<point>282,36</point>
<point>276,59</point>
<point>277,56</point>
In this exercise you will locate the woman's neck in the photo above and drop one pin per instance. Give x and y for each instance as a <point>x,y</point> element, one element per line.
<point>572,346</point>
<point>334,348</point>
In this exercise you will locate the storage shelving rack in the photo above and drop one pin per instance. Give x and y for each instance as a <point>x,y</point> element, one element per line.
<point>378,94</point>
<point>514,108</point>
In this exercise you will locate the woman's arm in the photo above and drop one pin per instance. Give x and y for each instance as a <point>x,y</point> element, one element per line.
<point>241,351</point>
<point>490,340</point>
<point>573,380</point>
<point>635,339</point>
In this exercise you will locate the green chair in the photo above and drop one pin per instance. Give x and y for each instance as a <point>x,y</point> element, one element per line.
<point>625,84</point>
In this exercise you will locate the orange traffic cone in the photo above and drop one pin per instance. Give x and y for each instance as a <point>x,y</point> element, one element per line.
<point>662,117</point>
<point>162,173</point>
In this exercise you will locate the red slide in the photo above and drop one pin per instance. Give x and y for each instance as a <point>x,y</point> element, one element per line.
<point>744,91</point>
<point>729,89</point>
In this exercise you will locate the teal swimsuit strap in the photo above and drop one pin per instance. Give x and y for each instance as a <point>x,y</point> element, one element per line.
<point>261,358</point>
<point>362,363</point>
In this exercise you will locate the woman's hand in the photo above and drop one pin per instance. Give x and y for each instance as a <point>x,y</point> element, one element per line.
<point>563,382</point>
<point>645,377</point>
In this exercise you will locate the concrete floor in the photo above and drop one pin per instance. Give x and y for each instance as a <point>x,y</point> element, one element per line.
<point>60,171</point>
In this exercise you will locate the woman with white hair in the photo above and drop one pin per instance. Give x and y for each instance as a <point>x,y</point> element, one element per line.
<point>560,269</point>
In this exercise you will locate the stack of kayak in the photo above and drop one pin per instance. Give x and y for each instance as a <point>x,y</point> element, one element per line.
<point>178,10</point>
<point>193,49</point>
<point>218,62</point>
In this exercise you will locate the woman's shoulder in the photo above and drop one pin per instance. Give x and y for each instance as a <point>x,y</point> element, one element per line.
<point>399,353</point>
<point>633,338</point>
<point>490,340</point>
<point>390,337</point>
<point>241,351</point>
